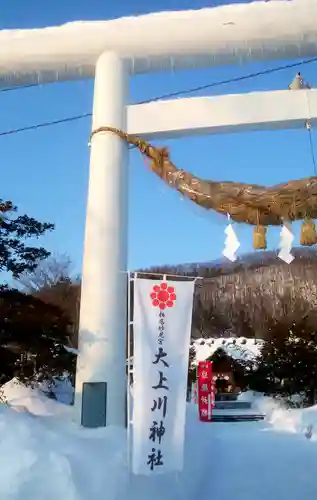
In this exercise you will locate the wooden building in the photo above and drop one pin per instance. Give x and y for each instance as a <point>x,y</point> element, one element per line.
<point>226,375</point>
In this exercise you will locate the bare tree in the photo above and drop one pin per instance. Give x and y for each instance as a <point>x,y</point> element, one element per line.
<point>207,321</point>
<point>54,283</point>
<point>51,271</point>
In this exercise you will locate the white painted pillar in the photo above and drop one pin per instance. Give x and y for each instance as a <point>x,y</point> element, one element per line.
<point>102,326</point>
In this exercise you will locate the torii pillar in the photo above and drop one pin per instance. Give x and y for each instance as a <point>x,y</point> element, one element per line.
<point>101,364</point>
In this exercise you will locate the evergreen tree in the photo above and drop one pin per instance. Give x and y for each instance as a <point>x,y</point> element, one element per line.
<point>288,363</point>
<point>32,338</point>
<point>16,256</point>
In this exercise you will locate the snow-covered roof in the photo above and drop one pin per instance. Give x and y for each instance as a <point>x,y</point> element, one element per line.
<point>238,348</point>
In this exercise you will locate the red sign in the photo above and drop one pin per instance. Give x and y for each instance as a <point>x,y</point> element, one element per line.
<point>204,370</point>
<point>205,390</point>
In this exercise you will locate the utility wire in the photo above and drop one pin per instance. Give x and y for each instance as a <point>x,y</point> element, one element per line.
<point>312,150</point>
<point>21,87</point>
<point>154,99</point>
<point>45,124</point>
<point>231,80</point>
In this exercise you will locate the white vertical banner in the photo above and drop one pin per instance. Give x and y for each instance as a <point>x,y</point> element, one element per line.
<point>162,325</point>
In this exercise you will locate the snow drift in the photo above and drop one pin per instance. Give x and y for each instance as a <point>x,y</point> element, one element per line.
<point>283,419</point>
<point>40,458</point>
<point>47,458</point>
<point>34,401</point>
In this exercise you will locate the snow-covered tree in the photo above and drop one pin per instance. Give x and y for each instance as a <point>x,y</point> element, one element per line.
<point>288,364</point>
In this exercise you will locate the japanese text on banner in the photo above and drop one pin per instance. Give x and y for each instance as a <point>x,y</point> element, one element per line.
<point>205,390</point>
<point>162,323</point>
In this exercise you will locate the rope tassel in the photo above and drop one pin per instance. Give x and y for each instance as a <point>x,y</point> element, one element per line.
<point>308,235</point>
<point>259,237</point>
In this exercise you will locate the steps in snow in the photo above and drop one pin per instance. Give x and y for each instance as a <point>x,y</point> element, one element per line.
<point>235,411</point>
<point>233,405</point>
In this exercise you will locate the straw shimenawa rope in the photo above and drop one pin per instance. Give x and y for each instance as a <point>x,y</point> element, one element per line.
<point>248,203</point>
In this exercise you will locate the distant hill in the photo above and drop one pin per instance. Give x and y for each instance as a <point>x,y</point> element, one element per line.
<point>244,296</point>
<point>223,266</point>
<point>234,299</point>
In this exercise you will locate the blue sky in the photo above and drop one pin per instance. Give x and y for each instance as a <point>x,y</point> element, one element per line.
<point>45,172</point>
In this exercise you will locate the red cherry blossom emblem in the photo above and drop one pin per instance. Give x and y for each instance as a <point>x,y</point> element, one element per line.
<point>163,296</point>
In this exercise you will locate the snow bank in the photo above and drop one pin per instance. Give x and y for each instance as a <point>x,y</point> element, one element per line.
<point>292,420</point>
<point>251,396</point>
<point>281,418</point>
<point>34,401</point>
<point>41,458</point>
<point>61,388</point>
<point>47,458</point>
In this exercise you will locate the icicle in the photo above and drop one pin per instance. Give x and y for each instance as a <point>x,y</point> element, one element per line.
<point>286,240</point>
<point>231,243</point>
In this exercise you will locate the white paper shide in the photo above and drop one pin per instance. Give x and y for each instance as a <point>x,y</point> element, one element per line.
<point>231,244</point>
<point>162,325</point>
<point>286,242</point>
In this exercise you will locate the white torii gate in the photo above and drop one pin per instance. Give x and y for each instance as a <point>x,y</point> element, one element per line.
<point>113,51</point>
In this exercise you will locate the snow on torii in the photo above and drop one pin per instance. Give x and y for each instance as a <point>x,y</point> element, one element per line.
<point>166,40</point>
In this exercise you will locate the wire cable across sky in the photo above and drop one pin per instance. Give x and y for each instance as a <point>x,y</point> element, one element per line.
<point>154,99</point>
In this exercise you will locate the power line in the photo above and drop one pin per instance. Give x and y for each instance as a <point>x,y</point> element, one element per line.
<point>21,87</point>
<point>155,99</point>
<point>312,149</point>
<point>231,80</point>
<point>45,124</point>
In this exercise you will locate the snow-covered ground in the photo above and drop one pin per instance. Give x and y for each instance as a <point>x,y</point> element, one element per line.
<point>33,401</point>
<point>43,455</point>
